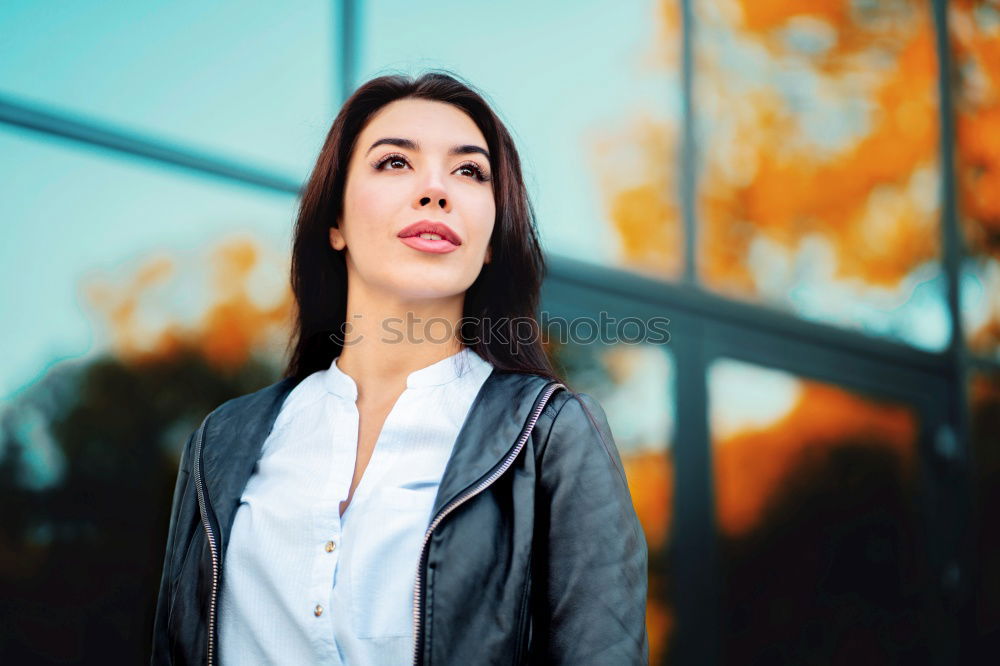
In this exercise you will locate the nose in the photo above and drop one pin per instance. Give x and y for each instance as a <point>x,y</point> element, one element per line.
<point>433,193</point>
<point>441,202</point>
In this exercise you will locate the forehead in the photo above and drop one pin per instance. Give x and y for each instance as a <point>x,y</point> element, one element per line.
<point>429,123</point>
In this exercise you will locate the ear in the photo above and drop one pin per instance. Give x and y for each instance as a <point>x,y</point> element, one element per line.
<point>489,255</point>
<point>337,241</point>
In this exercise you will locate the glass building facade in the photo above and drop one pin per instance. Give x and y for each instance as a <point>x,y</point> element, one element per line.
<point>808,192</point>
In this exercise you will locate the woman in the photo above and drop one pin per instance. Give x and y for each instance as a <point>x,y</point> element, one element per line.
<point>492,522</point>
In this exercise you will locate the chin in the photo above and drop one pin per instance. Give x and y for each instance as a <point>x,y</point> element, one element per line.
<point>429,293</point>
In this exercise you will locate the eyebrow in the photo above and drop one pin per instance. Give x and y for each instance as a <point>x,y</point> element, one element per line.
<point>466,149</point>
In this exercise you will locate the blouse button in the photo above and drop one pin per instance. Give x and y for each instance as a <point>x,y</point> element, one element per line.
<point>318,611</point>
<point>330,546</point>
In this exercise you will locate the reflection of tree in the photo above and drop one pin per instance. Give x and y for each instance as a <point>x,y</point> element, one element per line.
<point>824,561</point>
<point>651,482</point>
<point>985,400</point>
<point>975,34</point>
<point>750,465</point>
<point>80,561</point>
<point>765,171</point>
<point>834,573</point>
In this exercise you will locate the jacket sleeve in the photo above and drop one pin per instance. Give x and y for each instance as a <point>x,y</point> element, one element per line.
<point>161,642</point>
<point>590,575</point>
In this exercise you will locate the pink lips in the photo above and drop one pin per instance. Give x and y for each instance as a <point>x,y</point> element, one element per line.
<point>411,236</point>
<point>428,245</point>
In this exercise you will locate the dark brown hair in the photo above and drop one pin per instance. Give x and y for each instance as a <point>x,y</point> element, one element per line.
<point>503,297</point>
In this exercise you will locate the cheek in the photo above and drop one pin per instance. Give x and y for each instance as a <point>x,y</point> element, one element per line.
<point>367,202</point>
<point>486,220</point>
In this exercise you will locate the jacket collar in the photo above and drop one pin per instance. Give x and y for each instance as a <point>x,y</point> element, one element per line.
<point>231,444</point>
<point>235,433</point>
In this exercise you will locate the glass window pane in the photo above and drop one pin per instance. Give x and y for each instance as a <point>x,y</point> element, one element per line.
<point>817,126</point>
<point>635,386</point>
<point>975,39</point>
<point>256,85</point>
<point>108,255</point>
<point>591,96</point>
<point>139,298</point>
<point>818,522</point>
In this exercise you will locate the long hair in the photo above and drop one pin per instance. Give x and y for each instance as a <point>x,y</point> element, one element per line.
<point>499,321</point>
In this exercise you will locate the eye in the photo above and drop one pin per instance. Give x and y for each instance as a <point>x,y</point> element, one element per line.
<point>392,160</point>
<point>475,171</point>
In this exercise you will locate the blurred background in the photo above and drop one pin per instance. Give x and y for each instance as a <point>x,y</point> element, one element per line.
<point>808,190</point>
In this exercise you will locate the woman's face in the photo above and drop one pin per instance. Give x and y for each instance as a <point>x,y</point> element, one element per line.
<point>417,160</point>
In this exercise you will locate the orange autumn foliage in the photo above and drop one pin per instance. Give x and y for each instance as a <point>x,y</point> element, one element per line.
<point>235,325</point>
<point>233,328</point>
<point>984,389</point>
<point>751,465</point>
<point>763,16</point>
<point>642,205</point>
<point>650,477</point>
<point>659,623</point>
<point>647,224</point>
<point>976,50</point>
<point>861,196</point>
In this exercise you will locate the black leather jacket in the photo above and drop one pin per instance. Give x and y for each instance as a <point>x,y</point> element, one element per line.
<point>534,554</point>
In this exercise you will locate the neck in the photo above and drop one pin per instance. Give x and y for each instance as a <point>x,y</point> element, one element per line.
<point>389,337</point>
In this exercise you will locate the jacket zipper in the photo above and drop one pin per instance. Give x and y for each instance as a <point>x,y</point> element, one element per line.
<point>199,485</point>
<point>448,508</point>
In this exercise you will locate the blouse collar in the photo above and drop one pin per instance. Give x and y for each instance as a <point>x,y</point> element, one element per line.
<point>440,372</point>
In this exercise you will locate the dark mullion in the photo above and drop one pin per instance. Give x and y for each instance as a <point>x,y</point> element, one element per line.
<point>771,347</point>
<point>670,299</point>
<point>687,168</point>
<point>349,46</point>
<point>951,236</point>
<point>938,506</point>
<point>90,132</point>
<point>954,441</point>
<point>859,374</point>
<point>696,572</point>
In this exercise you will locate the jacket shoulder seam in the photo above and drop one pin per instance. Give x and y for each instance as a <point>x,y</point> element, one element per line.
<point>553,409</point>
<point>555,404</point>
<point>604,441</point>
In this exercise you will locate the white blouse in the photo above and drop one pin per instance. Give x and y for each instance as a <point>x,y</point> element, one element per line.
<point>300,584</point>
